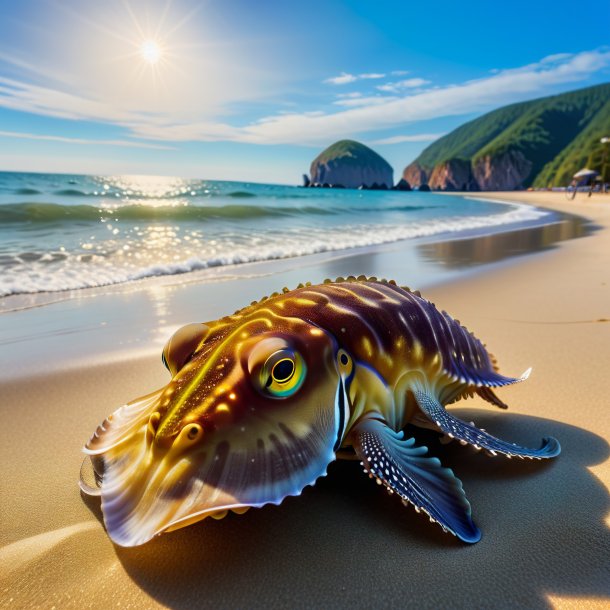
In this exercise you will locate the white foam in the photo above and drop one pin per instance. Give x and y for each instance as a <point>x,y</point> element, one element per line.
<point>71,273</point>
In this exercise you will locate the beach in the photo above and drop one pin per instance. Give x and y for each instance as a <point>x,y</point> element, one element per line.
<point>343,543</point>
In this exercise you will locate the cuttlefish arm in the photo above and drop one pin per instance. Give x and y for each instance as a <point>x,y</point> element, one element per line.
<point>419,479</point>
<point>470,434</point>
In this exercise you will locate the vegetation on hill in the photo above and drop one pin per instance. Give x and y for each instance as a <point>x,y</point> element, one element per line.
<point>352,153</point>
<point>464,142</point>
<point>585,150</point>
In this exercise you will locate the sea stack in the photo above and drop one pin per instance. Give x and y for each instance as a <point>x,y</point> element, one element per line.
<point>350,164</point>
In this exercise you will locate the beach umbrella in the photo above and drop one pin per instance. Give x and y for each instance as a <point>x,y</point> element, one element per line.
<point>586,173</point>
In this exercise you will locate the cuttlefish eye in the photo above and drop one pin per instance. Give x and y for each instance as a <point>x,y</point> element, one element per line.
<point>282,374</point>
<point>346,364</point>
<point>181,345</point>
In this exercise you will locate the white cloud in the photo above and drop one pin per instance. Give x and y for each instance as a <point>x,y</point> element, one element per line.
<point>419,137</point>
<point>375,100</point>
<point>556,57</point>
<point>507,86</point>
<point>55,102</point>
<point>399,72</point>
<point>343,79</point>
<point>349,95</point>
<point>318,128</point>
<point>409,83</point>
<point>122,143</point>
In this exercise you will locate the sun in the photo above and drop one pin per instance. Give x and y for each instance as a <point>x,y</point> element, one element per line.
<point>150,51</point>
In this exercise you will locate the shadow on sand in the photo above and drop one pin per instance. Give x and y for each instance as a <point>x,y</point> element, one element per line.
<point>346,543</point>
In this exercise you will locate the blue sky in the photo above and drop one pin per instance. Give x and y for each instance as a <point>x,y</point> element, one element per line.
<point>246,90</point>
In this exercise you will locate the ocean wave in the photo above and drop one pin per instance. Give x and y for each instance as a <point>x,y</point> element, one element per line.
<point>30,212</point>
<point>26,191</point>
<point>76,273</point>
<point>189,194</point>
<point>73,193</point>
<point>240,194</point>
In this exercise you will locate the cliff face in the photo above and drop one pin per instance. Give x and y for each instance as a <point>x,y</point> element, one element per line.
<point>539,143</point>
<point>415,174</point>
<point>337,174</point>
<point>505,172</point>
<point>351,164</point>
<point>453,175</point>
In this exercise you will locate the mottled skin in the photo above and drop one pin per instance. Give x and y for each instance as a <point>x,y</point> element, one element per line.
<point>261,401</point>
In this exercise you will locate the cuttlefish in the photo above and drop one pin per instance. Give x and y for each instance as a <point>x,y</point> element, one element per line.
<point>262,401</point>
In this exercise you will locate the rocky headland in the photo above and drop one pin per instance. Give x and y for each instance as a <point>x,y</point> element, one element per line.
<point>539,143</point>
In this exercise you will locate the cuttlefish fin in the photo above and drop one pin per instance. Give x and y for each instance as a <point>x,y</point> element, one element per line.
<point>90,480</point>
<point>147,488</point>
<point>469,433</point>
<point>122,424</point>
<point>406,469</point>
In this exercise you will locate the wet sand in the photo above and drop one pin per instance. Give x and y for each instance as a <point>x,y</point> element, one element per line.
<point>344,543</point>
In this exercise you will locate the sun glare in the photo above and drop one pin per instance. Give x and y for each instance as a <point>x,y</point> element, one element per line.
<point>150,51</point>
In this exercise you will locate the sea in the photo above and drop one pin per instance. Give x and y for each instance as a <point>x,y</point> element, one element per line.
<point>66,232</point>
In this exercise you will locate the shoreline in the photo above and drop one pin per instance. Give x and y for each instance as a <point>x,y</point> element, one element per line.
<point>263,267</point>
<point>549,310</point>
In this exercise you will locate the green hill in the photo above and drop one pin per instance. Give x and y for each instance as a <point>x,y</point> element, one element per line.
<point>538,143</point>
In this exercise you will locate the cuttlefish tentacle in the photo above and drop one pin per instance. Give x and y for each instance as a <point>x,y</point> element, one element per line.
<point>261,401</point>
<point>480,439</point>
<point>405,469</point>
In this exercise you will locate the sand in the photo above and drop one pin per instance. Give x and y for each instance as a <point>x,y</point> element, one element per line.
<point>344,543</point>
